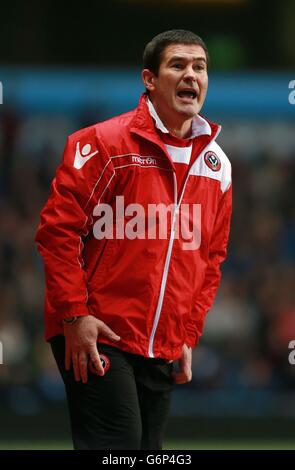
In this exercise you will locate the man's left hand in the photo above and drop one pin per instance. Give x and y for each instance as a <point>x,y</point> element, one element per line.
<point>184,374</point>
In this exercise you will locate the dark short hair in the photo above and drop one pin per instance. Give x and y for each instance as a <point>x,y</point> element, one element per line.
<point>153,52</point>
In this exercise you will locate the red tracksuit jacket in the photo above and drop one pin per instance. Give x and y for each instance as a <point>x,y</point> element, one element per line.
<point>152,292</point>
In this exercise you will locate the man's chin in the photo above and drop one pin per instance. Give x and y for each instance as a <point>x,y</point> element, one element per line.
<point>189,111</point>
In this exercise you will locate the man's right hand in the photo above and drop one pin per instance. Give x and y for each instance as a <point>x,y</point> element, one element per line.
<point>81,344</point>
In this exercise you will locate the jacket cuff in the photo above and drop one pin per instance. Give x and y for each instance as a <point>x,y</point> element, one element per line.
<point>192,340</point>
<point>73,310</point>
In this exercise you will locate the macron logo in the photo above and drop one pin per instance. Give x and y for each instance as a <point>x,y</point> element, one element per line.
<point>81,157</point>
<point>144,160</point>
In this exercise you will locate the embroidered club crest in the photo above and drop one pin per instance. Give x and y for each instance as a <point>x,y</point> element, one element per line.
<point>212,161</point>
<point>105,362</point>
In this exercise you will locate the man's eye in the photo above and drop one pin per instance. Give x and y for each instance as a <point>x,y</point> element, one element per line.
<point>199,68</point>
<point>177,66</point>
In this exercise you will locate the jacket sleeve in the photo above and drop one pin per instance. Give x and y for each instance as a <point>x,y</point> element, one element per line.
<point>217,254</point>
<point>80,182</point>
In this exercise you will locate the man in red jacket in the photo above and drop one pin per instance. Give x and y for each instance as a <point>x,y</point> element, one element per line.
<point>128,284</point>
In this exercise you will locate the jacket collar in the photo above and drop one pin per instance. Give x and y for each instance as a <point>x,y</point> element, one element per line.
<point>143,125</point>
<point>146,118</point>
<point>199,125</point>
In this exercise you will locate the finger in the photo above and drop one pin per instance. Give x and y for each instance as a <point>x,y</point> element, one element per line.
<point>187,372</point>
<point>96,362</point>
<point>108,333</point>
<point>83,366</point>
<point>68,358</point>
<point>75,361</point>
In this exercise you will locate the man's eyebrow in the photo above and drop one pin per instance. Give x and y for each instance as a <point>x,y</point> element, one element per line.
<point>176,57</point>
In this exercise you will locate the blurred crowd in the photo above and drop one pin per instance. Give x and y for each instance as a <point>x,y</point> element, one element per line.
<point>245,343</point>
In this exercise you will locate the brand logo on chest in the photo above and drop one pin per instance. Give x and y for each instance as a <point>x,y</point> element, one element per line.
<point>144,160</point>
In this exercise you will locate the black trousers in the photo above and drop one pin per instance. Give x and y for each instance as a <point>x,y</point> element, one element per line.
<point>127,408</point>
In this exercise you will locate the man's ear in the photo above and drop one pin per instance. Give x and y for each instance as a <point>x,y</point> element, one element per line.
<point>148,78</point>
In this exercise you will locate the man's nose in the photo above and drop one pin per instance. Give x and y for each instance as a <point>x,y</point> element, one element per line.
<point>190,74</point>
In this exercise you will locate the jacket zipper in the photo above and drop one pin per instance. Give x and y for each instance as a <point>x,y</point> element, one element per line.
<point>169,252</point>
<point>165,273</point>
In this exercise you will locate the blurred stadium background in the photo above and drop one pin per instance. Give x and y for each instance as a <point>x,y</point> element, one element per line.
<point>63,68</point>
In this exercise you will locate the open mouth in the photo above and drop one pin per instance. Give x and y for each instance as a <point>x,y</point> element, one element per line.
<point>187,94</point>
